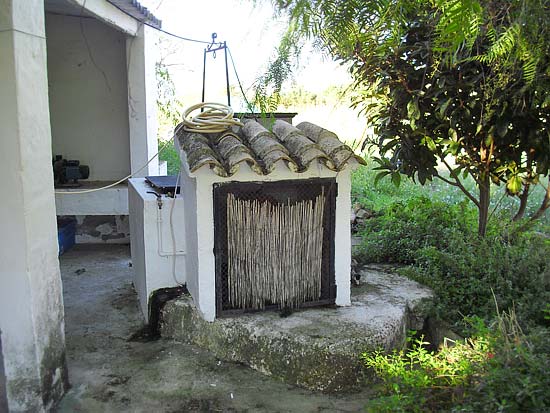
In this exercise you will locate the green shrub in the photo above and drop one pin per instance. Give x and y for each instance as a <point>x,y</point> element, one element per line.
<point>469,274</point>
<point>432,231</point>
<point>419,380</point>
<point>500,369</point>
<point>516,378</point>
<point>464,270</point>
<point>405,227</point>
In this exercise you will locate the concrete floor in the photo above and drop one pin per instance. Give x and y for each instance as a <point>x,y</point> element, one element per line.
<point>108,373</point>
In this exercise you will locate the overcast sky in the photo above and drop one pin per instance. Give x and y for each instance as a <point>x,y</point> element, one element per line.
<point>251,32</point>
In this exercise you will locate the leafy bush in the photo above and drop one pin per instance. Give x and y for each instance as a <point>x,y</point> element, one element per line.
<point>432,231</point>
<point>170,155</point>
<point>516,377</point>
<point>439,241</point>
<point>500,369</point>
<point>405,227</point>
<point>469,274</point>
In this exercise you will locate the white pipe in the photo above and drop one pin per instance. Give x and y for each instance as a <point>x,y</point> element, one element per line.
<point>160,249</point>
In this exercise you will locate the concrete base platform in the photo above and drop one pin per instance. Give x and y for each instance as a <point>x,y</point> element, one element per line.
<point>318,349</point>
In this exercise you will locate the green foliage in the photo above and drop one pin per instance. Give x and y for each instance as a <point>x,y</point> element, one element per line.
<point>432,228</point>
<point>463,270</point>
<point>468,274</point>
<point>298,97</point>
<point>444,79</point>
<point>516,376</point>
<point>170,155</point>
<point>419,380</point>
<point>169,107</point>
<point>405,228</point>
<point>499,369</point>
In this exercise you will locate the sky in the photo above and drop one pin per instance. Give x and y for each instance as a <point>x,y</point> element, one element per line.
<point>251,32</point>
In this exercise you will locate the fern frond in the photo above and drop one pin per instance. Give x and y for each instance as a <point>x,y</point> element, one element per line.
<point>503,45</point>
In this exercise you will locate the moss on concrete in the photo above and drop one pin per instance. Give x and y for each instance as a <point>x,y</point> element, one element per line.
<point>317,364</point>
<point>53,371</point>
<point>318,349</point>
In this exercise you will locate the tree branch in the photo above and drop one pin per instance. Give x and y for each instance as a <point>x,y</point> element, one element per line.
<point>544,205</point>
<point>448,181</point>
<point>460,185</point>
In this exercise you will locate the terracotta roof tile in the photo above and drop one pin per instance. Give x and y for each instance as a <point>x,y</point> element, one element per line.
<point>262,149</point>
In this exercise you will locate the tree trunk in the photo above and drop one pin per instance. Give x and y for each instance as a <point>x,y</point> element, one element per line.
<point>484,200</point>
<point>525,194</point>
<point>544,206</point>
<point>522,204</point>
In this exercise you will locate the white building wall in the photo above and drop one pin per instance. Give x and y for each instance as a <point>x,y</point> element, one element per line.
<point>158,259</point>
<point>142,101</point>
<point>200,260</point>
<point>189,192</point>
<point>88,94</point>
<point>31,306</point>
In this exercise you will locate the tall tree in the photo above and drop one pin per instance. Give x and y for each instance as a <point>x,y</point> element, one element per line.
<point>458,83</point>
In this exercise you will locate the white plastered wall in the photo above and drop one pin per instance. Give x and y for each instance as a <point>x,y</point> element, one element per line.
<point>199,228</point>
<point>88,94</point>
<point>158,259</point>
<point>31,304</point>
<point>141,52</point>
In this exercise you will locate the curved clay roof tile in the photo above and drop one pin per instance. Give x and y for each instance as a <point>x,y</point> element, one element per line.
<point>262,149</point>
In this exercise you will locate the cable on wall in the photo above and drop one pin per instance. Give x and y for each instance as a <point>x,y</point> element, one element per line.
<point>144,22</point>
<point>87,191</point>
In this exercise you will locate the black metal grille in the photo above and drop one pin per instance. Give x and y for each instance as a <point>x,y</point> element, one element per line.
<point>289,192</point>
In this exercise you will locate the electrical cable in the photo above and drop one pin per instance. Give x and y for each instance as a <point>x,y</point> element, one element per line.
<point>248,104</point>
<point>144,22</point>
<point>126,177</point>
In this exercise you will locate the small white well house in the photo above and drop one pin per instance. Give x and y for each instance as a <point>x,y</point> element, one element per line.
<point>266,217</point>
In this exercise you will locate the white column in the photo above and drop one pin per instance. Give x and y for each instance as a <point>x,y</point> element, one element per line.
<point>31,305</point>
<point>142,100</point>
<point>342,239</point>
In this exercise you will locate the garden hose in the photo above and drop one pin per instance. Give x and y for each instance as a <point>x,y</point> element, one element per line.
<point>213,118</point>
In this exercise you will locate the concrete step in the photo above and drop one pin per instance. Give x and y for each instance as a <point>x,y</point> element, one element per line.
<point>316,348</point>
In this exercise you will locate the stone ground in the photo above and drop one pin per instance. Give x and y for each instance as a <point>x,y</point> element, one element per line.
<point>108,373</point>
<point>316,348</point>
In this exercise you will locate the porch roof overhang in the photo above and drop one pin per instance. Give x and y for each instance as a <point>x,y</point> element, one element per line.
<point>124,15</point>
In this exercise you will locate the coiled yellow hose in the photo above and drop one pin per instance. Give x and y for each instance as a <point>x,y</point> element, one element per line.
<point>215,118</point>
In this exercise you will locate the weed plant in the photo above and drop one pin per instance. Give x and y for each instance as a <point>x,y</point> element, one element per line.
<point>498,369</point>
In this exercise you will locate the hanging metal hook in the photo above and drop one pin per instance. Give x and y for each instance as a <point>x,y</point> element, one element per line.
<point>212,48</point>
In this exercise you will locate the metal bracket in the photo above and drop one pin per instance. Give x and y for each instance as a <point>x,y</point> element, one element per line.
<point>213,48</point>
